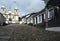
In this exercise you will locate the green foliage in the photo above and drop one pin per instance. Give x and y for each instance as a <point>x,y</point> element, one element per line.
<point>20,18</point>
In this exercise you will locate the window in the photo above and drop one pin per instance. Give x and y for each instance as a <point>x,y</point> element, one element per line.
<point>51,13</point>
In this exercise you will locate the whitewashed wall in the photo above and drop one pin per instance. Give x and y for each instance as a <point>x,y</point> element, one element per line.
<point>31,20</point>
<point>24,20</point>
<point>16,18</point>
<point>44,16</point>
<point>41,19</point>
<point>28,20</point>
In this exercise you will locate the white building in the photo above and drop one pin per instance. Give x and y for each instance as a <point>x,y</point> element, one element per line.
<point>39,17</point>
<point>24,19</point>
<point>11,17</point>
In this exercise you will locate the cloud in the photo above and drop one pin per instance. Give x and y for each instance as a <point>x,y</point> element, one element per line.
<point>36,5</point>
<point>24,6</point>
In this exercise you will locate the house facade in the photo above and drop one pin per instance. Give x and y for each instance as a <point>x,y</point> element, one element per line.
<point>24,19</point>
<point>2,19</point>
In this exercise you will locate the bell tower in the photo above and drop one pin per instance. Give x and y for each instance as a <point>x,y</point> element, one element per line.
<point>3,9</point>
<point>16,11</point>
<point>16,14</point>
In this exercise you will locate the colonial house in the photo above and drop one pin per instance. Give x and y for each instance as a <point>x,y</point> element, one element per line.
<point>45,16</point>
<point>30,18</point>
<point>11,17</point>
<point>24,19</point>
<point>50,15</point>
<point>55,3</point>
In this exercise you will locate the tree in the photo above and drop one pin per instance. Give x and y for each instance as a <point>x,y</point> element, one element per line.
<point>20,18</point>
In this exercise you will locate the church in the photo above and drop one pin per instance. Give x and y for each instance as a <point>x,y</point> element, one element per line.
<point>10,17</point>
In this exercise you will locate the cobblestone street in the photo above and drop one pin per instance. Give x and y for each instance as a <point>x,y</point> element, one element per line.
<point>22,32</point>
<point>5,32</point>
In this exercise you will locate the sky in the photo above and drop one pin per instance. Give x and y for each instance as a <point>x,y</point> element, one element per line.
<point>24,6</point>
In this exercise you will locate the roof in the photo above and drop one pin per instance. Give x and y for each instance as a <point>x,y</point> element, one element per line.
<point>31,15</point>
<point>37,13</point>
<point>34,14</point>
<point>40,12</point>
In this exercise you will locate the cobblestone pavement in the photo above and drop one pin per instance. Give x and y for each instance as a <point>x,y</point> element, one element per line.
<point>5,32</point>
<point>22,32</point>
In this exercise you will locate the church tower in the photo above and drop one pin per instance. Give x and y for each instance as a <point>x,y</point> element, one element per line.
<point>16,14</point>
<point>3,11</point>
<point>16,11</point>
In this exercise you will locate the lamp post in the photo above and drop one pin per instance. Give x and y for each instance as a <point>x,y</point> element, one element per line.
<point>46,17</point>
